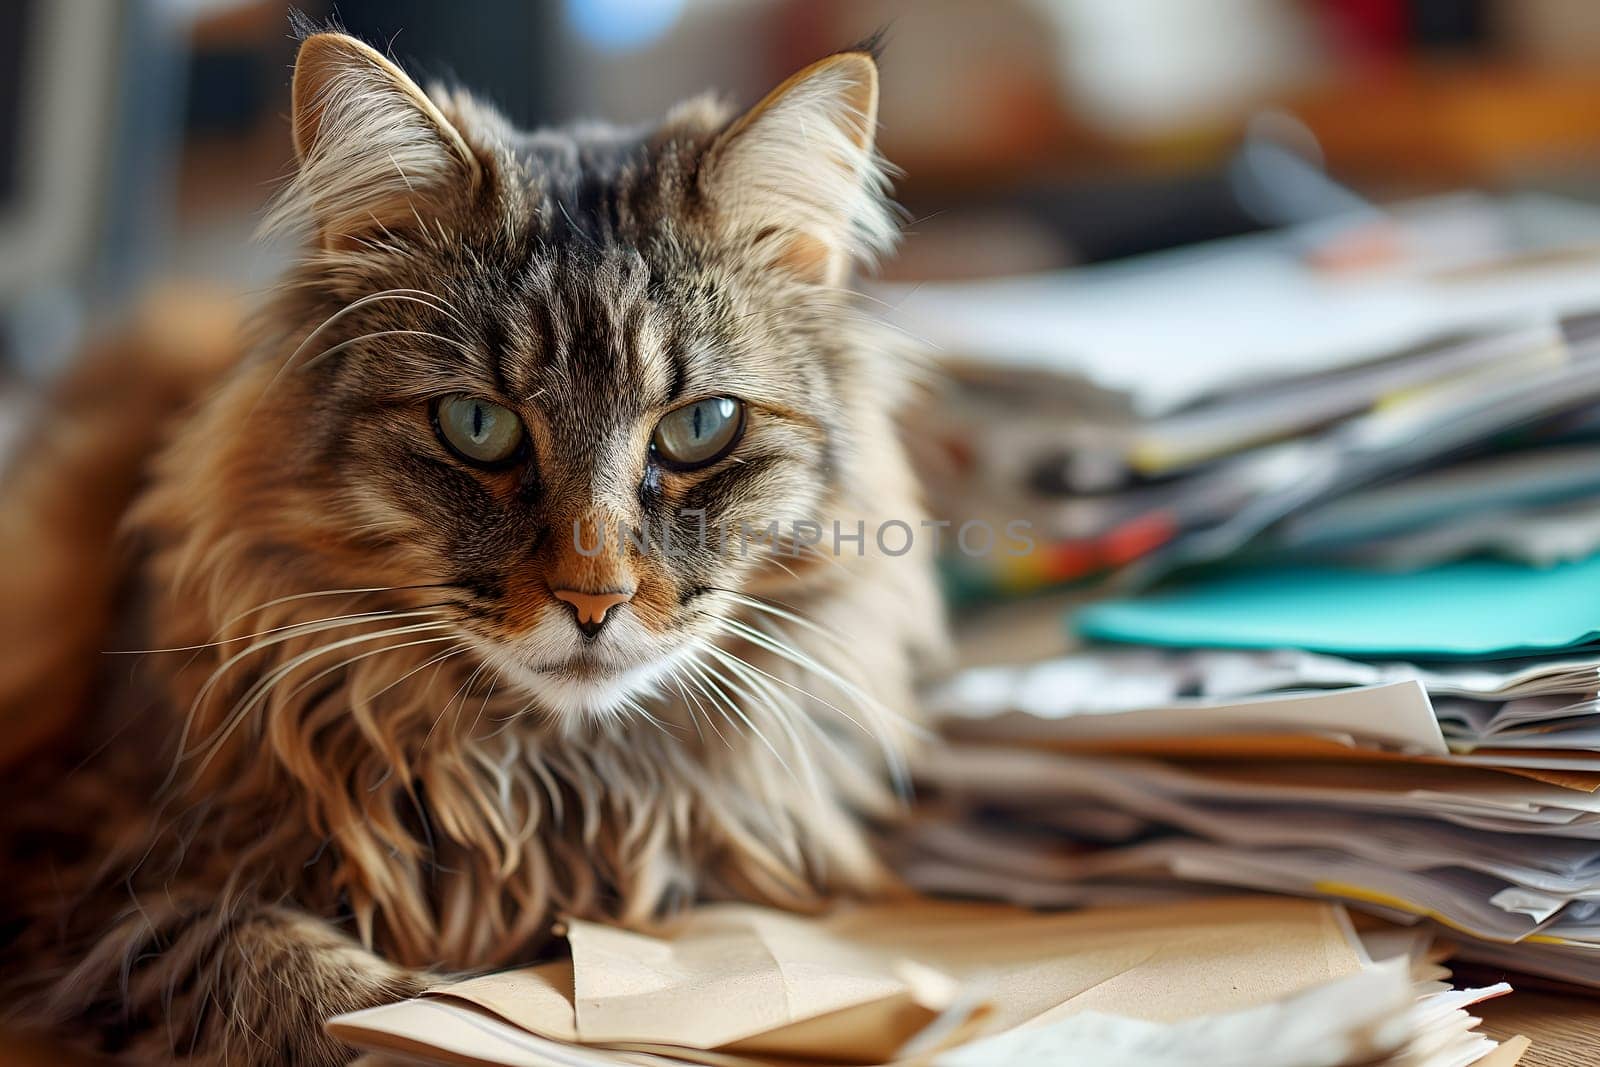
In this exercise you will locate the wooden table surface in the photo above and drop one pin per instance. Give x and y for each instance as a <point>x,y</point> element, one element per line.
<point>1564,1027</point>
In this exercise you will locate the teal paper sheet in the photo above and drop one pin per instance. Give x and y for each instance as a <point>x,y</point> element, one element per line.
<point>1472,608</point>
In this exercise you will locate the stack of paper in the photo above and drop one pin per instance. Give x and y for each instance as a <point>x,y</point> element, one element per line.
<point>1230,981</point>
<point>1351,520</point>
<point>1424,744</point>
<point>1193,406</point>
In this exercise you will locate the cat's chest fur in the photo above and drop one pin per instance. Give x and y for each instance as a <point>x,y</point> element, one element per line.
<point>447,825</point>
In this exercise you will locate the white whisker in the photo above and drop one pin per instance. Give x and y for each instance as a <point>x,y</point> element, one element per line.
<point>712,676</point>
<point>342,664</point>
<point>299,627</point>
<point>374,335</point>
<point>777,704</point>
<point>415,296</point>
<point>460,692</point>
<point>263,686</point>
<point>894,759</point>
<point>320,593</point>
<point>306,629</point>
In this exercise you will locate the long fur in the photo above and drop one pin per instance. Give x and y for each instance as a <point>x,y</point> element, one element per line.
<point>343,757</point>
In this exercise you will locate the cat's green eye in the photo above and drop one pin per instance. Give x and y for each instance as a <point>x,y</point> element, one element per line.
<point>698,433</point>
<point>479,431</point>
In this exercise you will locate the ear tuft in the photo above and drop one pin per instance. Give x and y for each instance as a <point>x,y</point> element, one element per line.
<point>374,150</point>
<point>873,44</point>
<point>801,165</point>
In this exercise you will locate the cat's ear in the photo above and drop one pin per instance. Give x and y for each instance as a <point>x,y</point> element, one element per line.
<point>374,152</point>
<point>798,173</point>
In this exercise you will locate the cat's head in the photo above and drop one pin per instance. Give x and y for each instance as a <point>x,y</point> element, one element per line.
<point>553,378</point>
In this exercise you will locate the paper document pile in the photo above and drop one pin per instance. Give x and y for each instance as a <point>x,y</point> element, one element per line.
<point>1464,787</point>
<point>1240,397</point>
<point>1236,982</point>
<point>1349,644</point>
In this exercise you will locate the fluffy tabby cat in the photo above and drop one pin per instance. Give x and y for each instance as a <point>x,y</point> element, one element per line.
<point>392,713</point>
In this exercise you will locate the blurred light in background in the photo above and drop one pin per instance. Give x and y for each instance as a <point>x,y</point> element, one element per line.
<point>1154,65</point>
<point>622,25</point>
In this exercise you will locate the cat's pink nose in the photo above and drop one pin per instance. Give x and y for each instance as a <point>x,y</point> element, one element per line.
<point>589,610</point>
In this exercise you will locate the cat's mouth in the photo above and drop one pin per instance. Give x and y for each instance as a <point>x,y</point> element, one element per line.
<point>593,689</point>
<point>586,682</point>
<point>580,668</point>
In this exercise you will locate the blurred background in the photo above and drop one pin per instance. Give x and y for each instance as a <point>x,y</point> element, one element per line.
<point>139,140</point>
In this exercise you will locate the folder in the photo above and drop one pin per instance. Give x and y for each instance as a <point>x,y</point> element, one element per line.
<point>1474,608</point>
